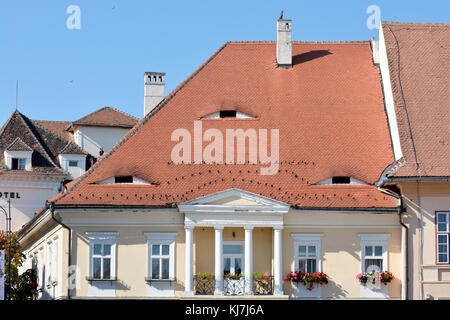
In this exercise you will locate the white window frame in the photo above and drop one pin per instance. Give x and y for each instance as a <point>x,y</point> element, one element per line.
<point>102,238</point>
<point>308,239</point>
<point>161,238</point>
<point>54,257</point>
<point>41,264</point>
<point>374,239</point>
<point>446,233</point>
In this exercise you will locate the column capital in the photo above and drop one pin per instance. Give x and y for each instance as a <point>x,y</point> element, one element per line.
<point>248,227</point>
<point>189,227</point>
<point>218,228</point>
<point>278,227</point>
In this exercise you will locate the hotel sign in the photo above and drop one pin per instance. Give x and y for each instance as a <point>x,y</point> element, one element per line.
<point>9,195</point>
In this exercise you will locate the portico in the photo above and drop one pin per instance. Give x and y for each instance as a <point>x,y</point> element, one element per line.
<point>234,208</point>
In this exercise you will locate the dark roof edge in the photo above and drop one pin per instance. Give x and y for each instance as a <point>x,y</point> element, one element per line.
<point>446,24</point>
<point>416,178</point>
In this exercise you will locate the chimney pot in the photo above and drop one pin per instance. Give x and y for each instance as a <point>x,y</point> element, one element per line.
<point>154,83</point>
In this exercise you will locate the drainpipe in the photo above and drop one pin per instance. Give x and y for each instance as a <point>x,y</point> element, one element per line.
<point>405,273</point>
<point>51,207</point>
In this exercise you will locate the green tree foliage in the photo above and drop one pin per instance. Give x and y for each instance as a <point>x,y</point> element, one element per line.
<point>22,286</point>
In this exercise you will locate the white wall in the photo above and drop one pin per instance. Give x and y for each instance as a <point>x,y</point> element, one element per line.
<point>91,138</point>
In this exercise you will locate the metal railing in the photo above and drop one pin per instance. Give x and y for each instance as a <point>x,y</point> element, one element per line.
<point>234,286</point>
<point>204,286</point>
<point>263,286</point>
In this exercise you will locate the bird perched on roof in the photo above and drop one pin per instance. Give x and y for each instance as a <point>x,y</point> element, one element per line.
<point>281,15</point>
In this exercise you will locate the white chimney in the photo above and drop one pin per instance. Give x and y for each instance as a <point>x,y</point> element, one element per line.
<point>284,42</point>
<point>154,90</point>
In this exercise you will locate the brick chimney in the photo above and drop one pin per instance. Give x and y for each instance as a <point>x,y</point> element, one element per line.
<point>284,43</point>
<point>154,83</point>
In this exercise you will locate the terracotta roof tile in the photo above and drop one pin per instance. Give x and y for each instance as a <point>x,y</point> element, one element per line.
<point>419,64</point>
<point>107,116</point>
<point>328,109</point>
<point>18,145</point>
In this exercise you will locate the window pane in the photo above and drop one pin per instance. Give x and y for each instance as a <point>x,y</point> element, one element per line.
<point>311,251</point>
<point>97,249</point>
<point>442,258</point>
<point>237,265</point>
<point>302,251</point>
<point>97,268</point>
<point>302,265</point>
<point>442,239</point>
<point>232,249</point>
<point>155,268</point>
<point>442,248</point>
<point>226,265</point>
<point>378,251</point>
<point>165,250</point>
<point>73,163</point>
<point>106,268</point>
<point>441,217</point>
<point>107,250</point>
<point>442,227</point>
<point>21,165</point>
<point>369,251</point>
<point>165,268</point>
<point>373,265</point>
<point>312,265</point>
<point>155,250</point>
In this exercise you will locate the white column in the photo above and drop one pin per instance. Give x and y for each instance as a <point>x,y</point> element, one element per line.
<point>248,265</point>
<point>218,260</point>
<point>189,260</point>
<point>278,262</point>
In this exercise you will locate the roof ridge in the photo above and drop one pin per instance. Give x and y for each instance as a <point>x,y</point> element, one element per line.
<point>303,42</point>
<point>447,24</point>
<point>120,111</point>
<point>141,123</point>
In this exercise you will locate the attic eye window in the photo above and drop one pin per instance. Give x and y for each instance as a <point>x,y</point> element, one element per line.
<point>227,114</point>
<point>123,179</point>
<point>341,180</point>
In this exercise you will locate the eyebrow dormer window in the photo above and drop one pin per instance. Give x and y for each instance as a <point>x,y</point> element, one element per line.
<point>123,179</point>
<point>227,114</point>
<point>341,180</point>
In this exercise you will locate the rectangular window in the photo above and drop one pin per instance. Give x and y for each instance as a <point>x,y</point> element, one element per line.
<point>123,179</point>
<point>373,258</point>
<point>161,255</point>
<point>102,255</point>
<point>374,255</point>
<point>227,114</point>
<point>307,252</point>
<point>443,237</point>
<point>18,164</point>
<point>73,163</point>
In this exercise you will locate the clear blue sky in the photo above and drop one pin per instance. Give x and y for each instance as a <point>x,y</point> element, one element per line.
<point>65,74</point>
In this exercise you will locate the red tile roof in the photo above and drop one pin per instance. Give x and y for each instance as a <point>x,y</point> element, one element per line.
<point>109,117</point>
<point>419,65</point>
<point>328,108</point>
<point>57,127</point>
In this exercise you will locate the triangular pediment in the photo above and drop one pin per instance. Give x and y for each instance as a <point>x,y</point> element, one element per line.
<point>232,200</point>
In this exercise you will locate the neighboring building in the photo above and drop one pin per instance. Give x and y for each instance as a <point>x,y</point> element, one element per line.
<point>140,224</point>
<point>99,131</point>
<point>415,65</point>
<point>37,157</point>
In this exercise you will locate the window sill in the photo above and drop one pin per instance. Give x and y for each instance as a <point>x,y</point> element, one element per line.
<point>90,279</point>
<point>147,279</point>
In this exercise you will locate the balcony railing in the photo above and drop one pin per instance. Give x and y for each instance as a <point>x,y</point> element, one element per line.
<point>263,286</point>
<point>233,286</point>
<point>204,286</point>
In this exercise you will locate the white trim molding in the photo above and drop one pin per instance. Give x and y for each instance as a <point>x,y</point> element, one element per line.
<point>204,204</point>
